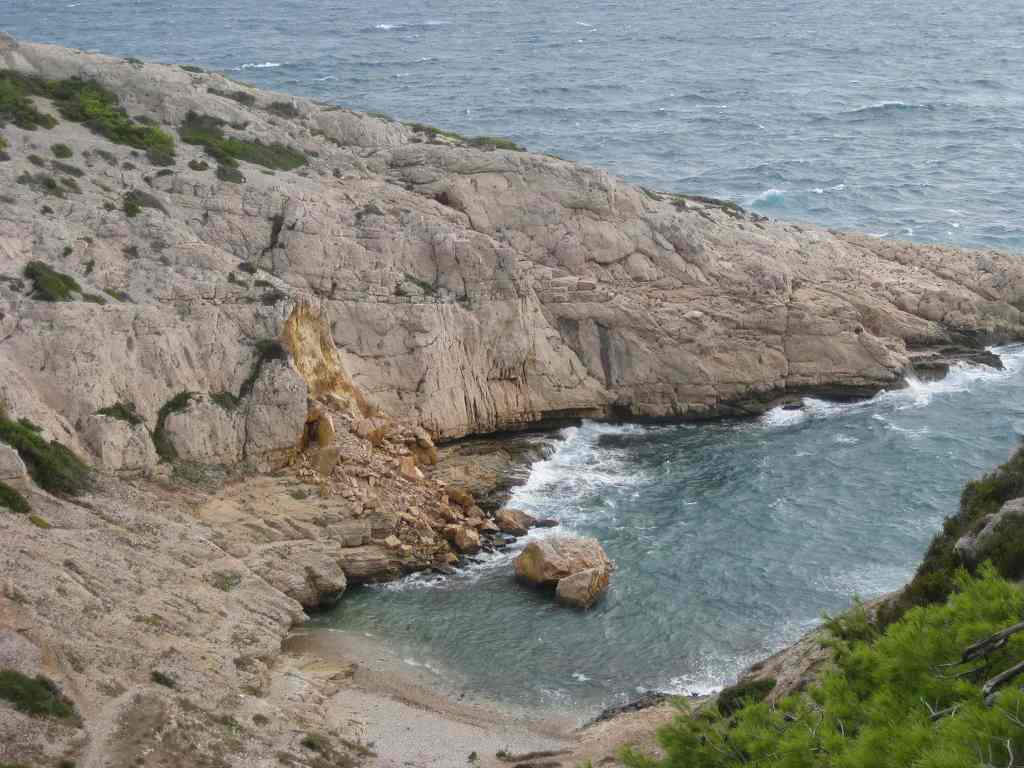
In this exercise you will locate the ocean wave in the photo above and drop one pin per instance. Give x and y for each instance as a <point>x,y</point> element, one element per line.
<point>770,198</point>
<point>404,26</point>
<point>883,108</point>
<point>255,65</point>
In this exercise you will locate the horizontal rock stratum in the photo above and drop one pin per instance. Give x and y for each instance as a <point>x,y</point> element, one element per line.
<point>472,288</point>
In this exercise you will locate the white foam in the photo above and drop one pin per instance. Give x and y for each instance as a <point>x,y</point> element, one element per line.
<point>264,65</point>
<point>770,197</point>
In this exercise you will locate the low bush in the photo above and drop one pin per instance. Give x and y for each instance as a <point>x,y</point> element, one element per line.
<point>12,500</point>
<point>38,696</point>
<point>177,404</point>
<point>736,696</point>
<point>122,411</point>
<point>43,182</point>
<point>208,132</point>
<point>242,97</point>
<point>81,101</point>
<point>67,168</point>
<point>61,151</point>
<point>50,285</point>
<point>283,109</point>
<point>52,466</point>
<point>163,679</point>
<point>878,706</point>
<point>135,200</point>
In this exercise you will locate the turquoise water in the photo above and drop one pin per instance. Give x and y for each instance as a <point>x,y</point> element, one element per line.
<point>903,119</point>
<point>730,540</point>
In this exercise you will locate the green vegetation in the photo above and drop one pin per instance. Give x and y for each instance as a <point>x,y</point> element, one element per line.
<point>3,143</point>
<point>36,160</point>
<point>81,101</point>
<point>936,575</point>
<point>53,467</point>
<point>67,168</point>
<point>16,106</point>
<point>315,742</point>
<point>61,151</point>
<point>92,298</point>
<point>198,165</point>
<point>163,679</point>
<point>43,182</point>
<point>892,703</point>
<point>50,285</point>
<point>735,697</point>
<point>241,97</point>
<point>122,411</point>
<point>225,400</point>
<point>39,696</point>
<point>483,142</point>
<point>853,625</point>
<point>193,69</point>
<point>14,501</point>
<point>230,174</point>
<point>208,132</point>
<point>40,522</point>
<point>177,404</point>
<point>135,200</point>
<point>226,580</point>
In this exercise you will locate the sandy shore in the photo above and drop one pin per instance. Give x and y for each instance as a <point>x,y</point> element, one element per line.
<point>412,717</point>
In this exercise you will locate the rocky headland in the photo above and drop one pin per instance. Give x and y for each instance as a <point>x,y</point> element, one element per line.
<point>255,317</point>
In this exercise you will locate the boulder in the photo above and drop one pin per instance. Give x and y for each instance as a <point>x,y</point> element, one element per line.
<point>11,465</point>
<point>117,444</point>
<point>581,590</point>
<point>974,548</point>
<point>408,469</point>
<point>545,562</point>
<point>513,521</point>
<point>462,537</point>
<point>307,572</point>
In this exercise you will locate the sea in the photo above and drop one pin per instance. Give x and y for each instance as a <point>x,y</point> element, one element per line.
<point>903,120</point>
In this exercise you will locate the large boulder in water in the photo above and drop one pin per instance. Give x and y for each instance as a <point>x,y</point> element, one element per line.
<point>513,521</point>
<point>581,590</point>
<point>581,562</point>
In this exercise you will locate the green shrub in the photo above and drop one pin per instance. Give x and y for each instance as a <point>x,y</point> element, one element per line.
<point>40,522</point>
<point>193,69</point>
<point>43,182</point>
<point>39,696</point>
<point>92,298</point>
<point>935,577</point>
<point>16,106</point>
<point>67,168</point>
<point>50,285</point>
<point>122,411</point>
<point>208,132</point>
<point>874,708</point>
<point>495,142</point>
<point>853,625</point>
<point>177,404</point>
<point>52,466</point>
<point>36,160</point>
<point>86,102</point>
<point>135,200</point>
<point>225,400</point>
<point>163,679</point>
<point>61,151</point>
<point>230,174</point>
<point>14,501</point>
<point>198,165</point>
<point>736,696</point>
<point>3,143</point>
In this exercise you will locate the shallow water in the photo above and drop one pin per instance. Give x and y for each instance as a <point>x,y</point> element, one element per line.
<point>900,119</point>
<point>730,539</point>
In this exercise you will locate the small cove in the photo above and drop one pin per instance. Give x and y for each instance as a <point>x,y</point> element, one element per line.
<point>731,540</point>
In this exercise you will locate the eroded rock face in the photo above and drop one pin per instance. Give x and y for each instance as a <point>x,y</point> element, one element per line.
<point>11,465</point>
<point>117,444</point>
<point>468,290</point>
<point>545,562</point>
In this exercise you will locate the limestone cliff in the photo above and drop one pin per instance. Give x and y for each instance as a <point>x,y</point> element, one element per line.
<point>472,288</point>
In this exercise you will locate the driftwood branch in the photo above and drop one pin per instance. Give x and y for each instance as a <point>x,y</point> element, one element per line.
<point>990,644</point>
<point>994,684</point>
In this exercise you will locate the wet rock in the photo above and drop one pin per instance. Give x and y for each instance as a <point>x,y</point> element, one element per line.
<point>545,562</point>
<point>545,522</point>
<point>582,590</point>
<point>513,521</point>
<point>462,537</point>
